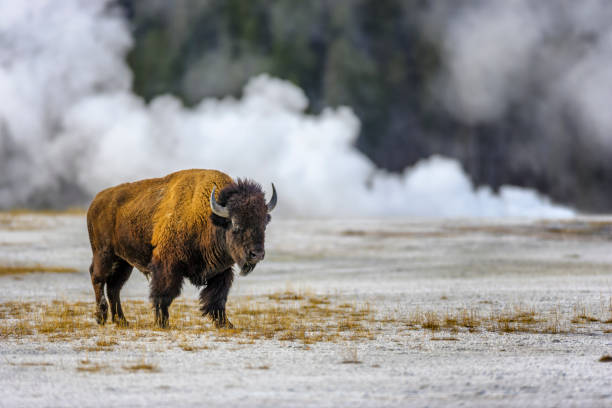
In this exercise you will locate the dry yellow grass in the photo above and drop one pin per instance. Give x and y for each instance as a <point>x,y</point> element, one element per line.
<point>292,316</point>
<point>32,364</point>
<point>30,220</point>
<point>582,315</point>
<point>261,367</point>
<point>141,366</point>
<point>87,366</point>
<point>351,356</point>
<point>550,230</point>
<point>94,368</point>
<point>514,319</point>
<point>286,295</point>
<point>23,269</point>
<point>27,211</point>
<point>106,342</point>
<point>185,345</point>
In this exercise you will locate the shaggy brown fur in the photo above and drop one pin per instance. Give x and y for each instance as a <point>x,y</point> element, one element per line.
<point>165,228</point>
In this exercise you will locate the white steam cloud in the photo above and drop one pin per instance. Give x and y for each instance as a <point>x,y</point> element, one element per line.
<point>554,57</point>
<point>70,126</point>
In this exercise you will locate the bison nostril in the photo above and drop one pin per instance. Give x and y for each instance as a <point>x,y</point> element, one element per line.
<point>256,255</point>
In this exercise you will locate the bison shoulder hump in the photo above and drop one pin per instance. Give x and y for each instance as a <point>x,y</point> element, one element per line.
<point>184,209</point>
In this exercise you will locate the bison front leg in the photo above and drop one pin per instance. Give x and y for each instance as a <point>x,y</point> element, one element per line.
<point>166,285</point>
<point>214,296</point>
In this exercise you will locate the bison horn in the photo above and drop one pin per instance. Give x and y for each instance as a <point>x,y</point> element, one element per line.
<point>272,203</point>
<point>217,209</point>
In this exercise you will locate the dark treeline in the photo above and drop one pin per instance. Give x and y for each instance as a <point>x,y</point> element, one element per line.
<point>376,57</point>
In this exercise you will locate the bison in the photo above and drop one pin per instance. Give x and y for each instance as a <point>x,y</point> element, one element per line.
<point>173,228</point>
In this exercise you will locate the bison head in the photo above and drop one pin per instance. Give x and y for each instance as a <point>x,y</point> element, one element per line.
<point>242,211</point>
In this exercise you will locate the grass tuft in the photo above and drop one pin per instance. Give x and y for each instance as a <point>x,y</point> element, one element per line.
<point>141,366</point>
<point>351,356</point>
<point>89,367</point>
<point>185,346</point>
<point>106,342</point>
<point>27,211</point>
<point>32,364</point>
<point>20,270</point>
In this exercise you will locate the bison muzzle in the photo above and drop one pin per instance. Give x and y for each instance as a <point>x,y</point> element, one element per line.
<point>194,224</point>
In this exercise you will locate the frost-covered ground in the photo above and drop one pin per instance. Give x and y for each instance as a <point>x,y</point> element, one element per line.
<point>396,266</point>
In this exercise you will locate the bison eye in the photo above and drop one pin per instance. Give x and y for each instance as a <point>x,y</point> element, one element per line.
<point>268,218</point>
<point>236,229</point>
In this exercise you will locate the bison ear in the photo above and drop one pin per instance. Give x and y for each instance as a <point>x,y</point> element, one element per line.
<point>220,222</point>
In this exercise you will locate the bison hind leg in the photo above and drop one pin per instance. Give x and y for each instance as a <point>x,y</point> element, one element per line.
<point>114,283</point>
<point>98,285</point>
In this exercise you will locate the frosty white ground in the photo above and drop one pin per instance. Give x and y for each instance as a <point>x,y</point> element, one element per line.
<point>395,264</point>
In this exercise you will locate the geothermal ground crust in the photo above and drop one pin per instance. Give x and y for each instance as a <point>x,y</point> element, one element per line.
<point>349,312</point>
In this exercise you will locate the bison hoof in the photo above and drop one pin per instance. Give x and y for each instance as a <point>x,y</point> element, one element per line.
<point>223,324</point>
<point>162,323</point>
<point>100,318</point>
<point>102,313</point>
<point>121,322</point>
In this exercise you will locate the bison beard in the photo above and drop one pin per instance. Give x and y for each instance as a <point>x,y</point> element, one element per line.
<point>174,228</point>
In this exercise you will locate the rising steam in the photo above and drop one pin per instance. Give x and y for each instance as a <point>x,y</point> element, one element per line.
<point>70,126</point>
<point>552,57</point>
